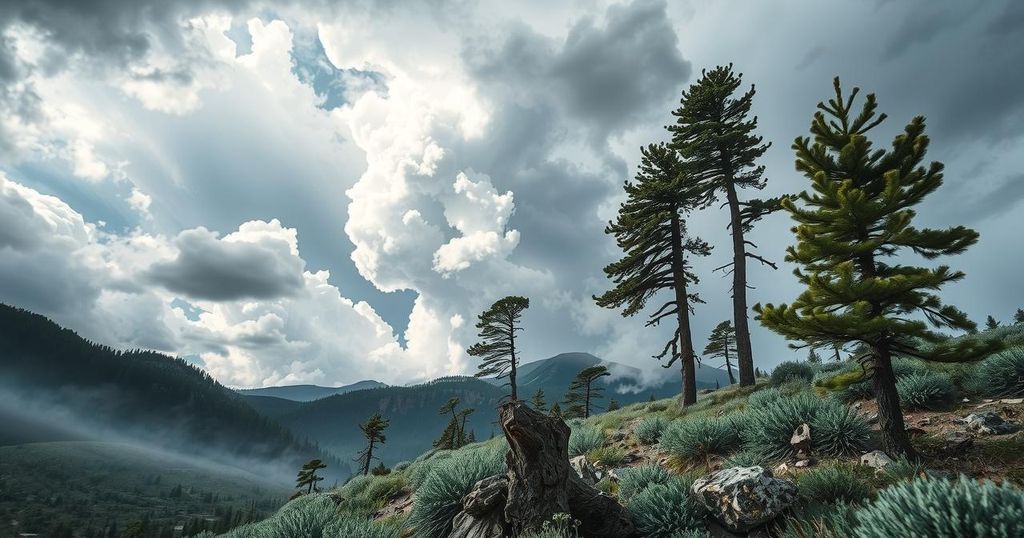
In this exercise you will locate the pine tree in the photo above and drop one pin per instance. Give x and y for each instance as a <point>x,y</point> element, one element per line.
<point>859,214</point>
<point>583,393</point>
<point>463,416</point>
<point>556,411</point>
<point>1018,316</point>
<point>537,402</point>
<point>812,356</point>
<point>373,431</point>
<point>991,323</point>
<point>380,470</point>
<point>497,346</point>
<point>450,436</point>
<point>613,405</point>
<point>307,477</point>
<point>722,344</point>
<point>716,139</point>
<point>651,231</point>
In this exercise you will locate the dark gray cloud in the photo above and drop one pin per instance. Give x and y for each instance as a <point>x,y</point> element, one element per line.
<point>1004,197</point>
<point>606,76</point>
<point>218,270</point>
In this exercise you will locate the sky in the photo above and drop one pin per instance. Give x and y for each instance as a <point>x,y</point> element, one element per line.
<point>324,192</point>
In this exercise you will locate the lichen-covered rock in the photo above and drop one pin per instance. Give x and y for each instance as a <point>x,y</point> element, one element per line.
<point>742,498</point>
<point>987,423</point>
<point>585,470</point>
<point>877,459</point>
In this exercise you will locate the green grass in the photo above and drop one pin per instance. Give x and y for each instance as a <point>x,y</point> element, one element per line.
<point>583,439</point>
<point>609,456</point>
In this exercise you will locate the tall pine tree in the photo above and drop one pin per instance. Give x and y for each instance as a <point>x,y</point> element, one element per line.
<point>722,345</point>
<point>651,232</point>
<point>537,402</point>
<point>859,216</point>
<point>497,345</point>
<point>715,137</point>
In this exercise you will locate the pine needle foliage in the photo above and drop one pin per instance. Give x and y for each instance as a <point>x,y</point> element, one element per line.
<point>927,390</point>
<point>651,231</point>
<point>583,392</point>
<point>664,510</point>
<point>648,430</point>
<point>858,215</point>
<point>1001,375</point>
<point>933,507</point>
<point>497,346</point>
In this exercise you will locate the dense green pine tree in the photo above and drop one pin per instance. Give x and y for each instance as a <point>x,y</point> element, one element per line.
<point>450,436</point>
<point>373,431</point>
<point>583,392</point>
<point>715,137</point>
<point>1018,316</point>
<point>650,230</point>
<point>556,411</point>
<point>857,217</point>
<point>537,402</point>
<point>613,405</point>
<point>497,345</point>
<point>722,345</point>
<point>813,357</point>
<point>991,323</point>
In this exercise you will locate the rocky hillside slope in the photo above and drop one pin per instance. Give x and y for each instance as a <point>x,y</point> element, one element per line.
<point>776,459</point>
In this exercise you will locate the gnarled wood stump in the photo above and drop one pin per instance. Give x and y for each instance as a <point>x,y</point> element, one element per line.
<point>542,484</point>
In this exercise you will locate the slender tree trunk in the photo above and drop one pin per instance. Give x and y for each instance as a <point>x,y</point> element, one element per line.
<point>895,440</point>
<point>728,365</point>
<point>369,458</point>
<point>745,357</point>
<point>683,315</point>
<point>512,371</point>
<point>586,403</point>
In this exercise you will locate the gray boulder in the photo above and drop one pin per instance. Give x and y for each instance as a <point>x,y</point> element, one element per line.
<point>987,423</point>
<point>482,514</point>
<point>585,470</point>
<point>877,459</point>
<point>742,498</point>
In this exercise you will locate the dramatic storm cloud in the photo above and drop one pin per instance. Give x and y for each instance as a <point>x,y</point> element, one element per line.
<point>313,192</point>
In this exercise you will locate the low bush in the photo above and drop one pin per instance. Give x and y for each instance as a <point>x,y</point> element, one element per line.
<point>791,370</point>
<point>636,479</point>
<point>835,430</point>
<point>439,498</point>
<point>306,516</point>
<point>764,397</point>
<point>648,431</point>
<point>1000,376</point>
<point>363,528</point>
<point>933,507</point>
<point>609,456</point>
<point>583,439</point>
<point>926,390</point>
<point>747,458</point>
<point>832,483</point>
<point>692,439</point>
<point>900,470</point>
<point>665,510</point>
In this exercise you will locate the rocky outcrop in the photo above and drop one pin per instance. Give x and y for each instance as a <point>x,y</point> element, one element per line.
<point>742,498</point>
<point>987,423</point>
<point>585,470</point>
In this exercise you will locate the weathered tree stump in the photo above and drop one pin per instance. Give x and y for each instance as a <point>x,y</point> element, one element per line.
<point>542,483</point>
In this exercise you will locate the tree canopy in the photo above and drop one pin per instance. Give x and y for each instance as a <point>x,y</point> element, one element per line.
<point>497,346</point>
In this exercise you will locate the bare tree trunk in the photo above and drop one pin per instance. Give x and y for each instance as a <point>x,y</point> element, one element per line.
<point>728,365</point>
<point>542,484</point>
<point>683,315</point>
<point>512,372</point>
<point>745,356</point>
<point>893,431</point>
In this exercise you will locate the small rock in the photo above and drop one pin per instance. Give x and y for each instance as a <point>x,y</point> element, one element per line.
<point>987,423</point>
<point>877,459</point>
<point>966,400</point>
<point>801,441</point>
<point>804,463</point>
<point>1012,401</point>
<point>742,498</point>
<point>585,470</point>
<point>782,469</point>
